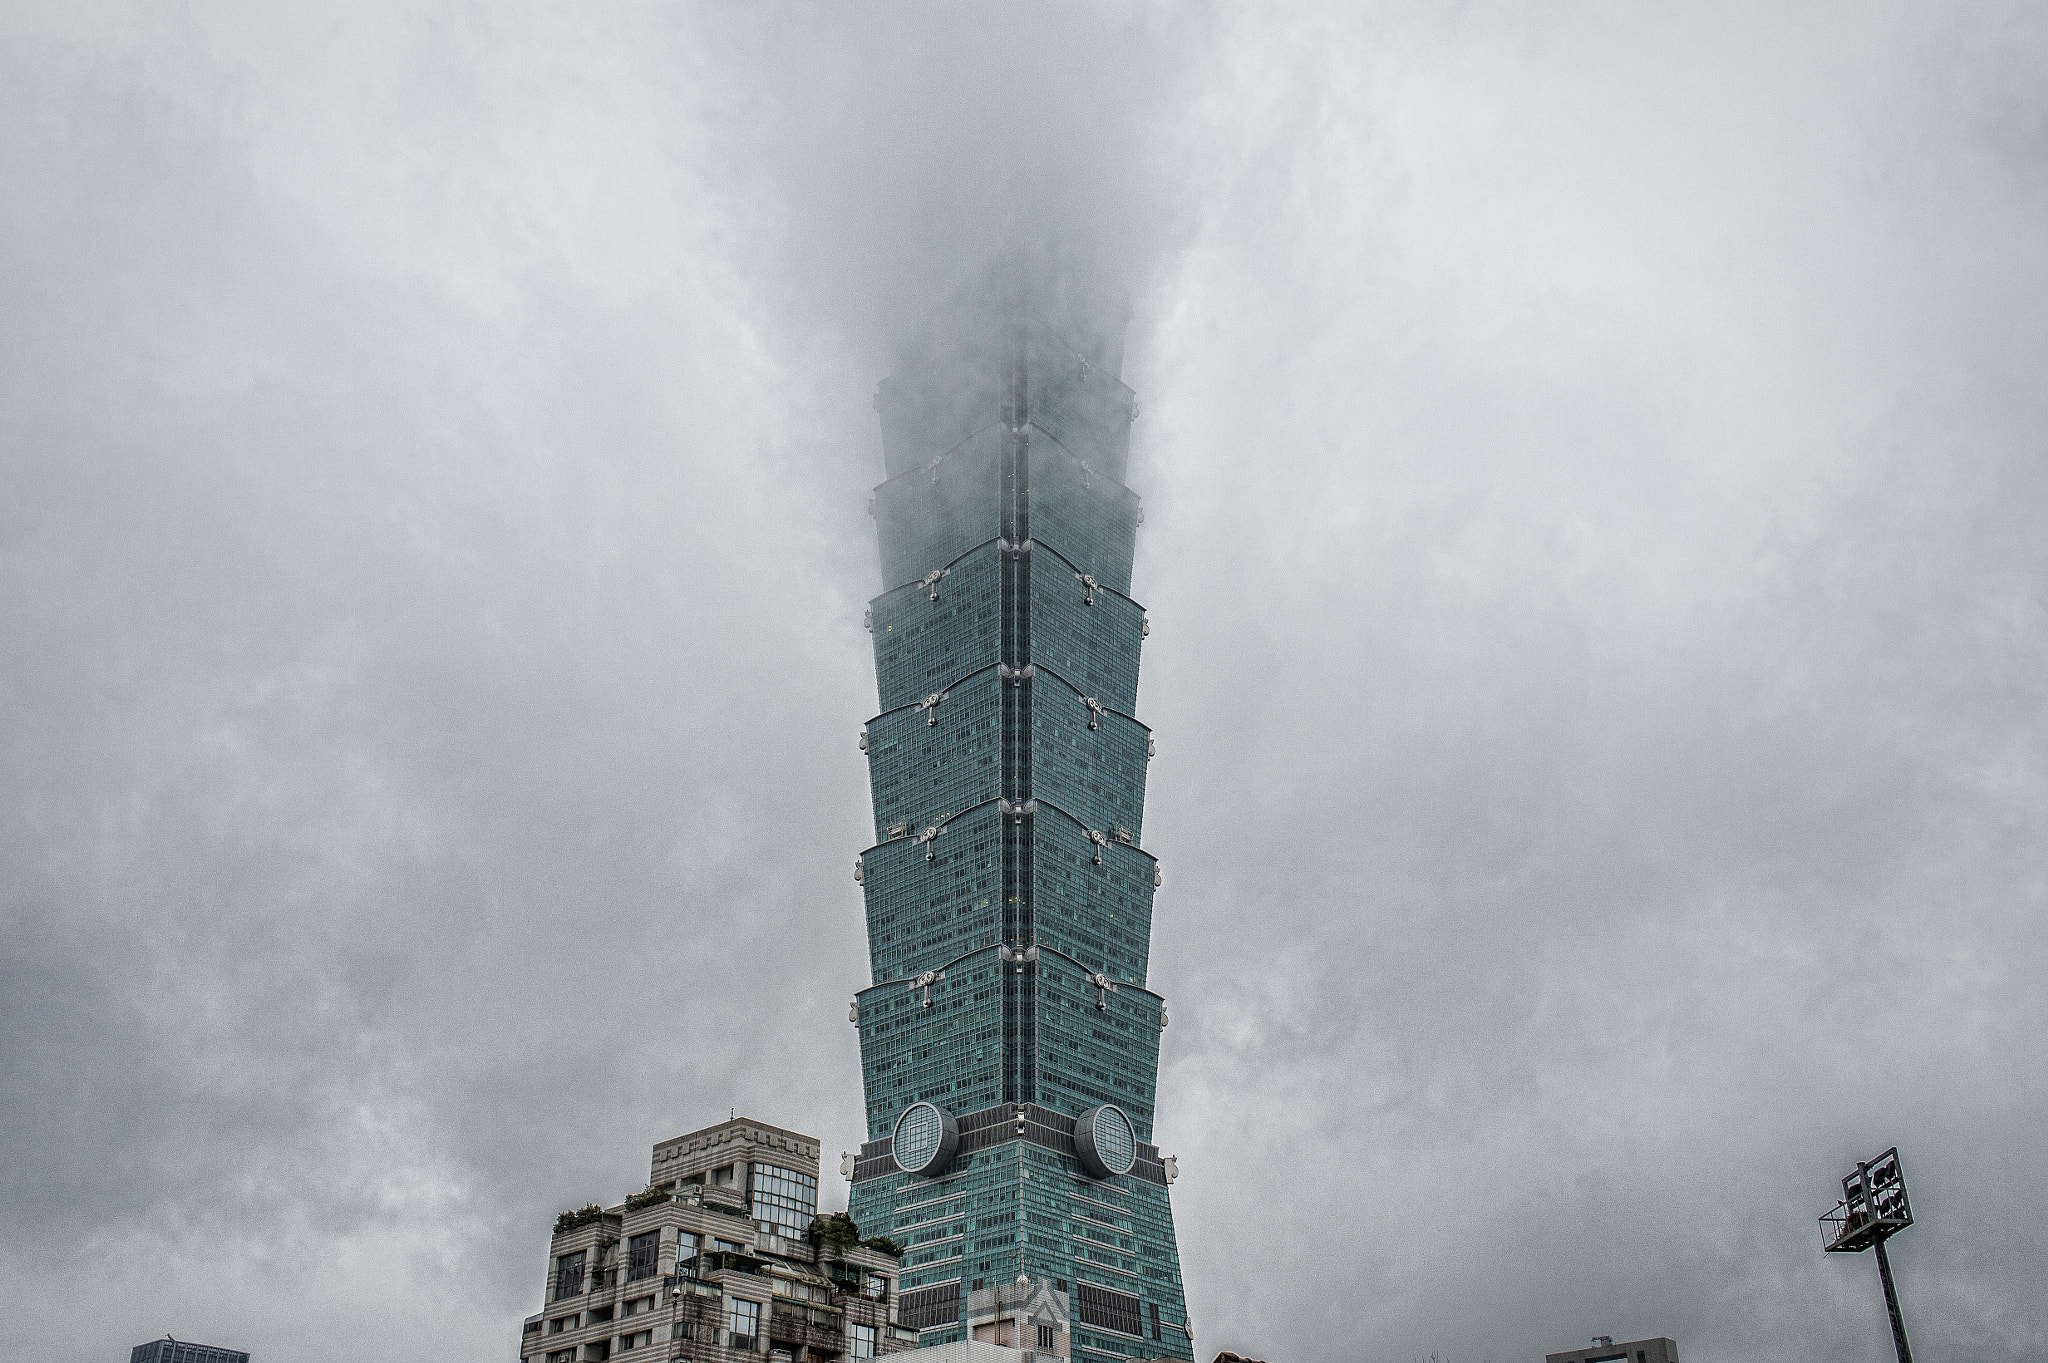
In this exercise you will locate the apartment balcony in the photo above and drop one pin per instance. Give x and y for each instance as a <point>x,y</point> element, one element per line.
<point>807,1327</point>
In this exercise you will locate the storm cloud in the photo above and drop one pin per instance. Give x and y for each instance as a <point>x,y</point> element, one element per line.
<point>1594,473</point>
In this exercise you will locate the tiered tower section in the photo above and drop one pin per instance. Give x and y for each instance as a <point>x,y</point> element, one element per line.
<point>1009,1042</point>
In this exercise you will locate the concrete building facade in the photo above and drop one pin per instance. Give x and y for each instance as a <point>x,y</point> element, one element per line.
<point>712,1264</point>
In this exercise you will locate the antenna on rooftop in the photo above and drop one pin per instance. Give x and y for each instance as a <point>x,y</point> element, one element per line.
<point>1873,1209</point>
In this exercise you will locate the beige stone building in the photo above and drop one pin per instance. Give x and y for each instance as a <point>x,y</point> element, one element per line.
<point>713,1264</point>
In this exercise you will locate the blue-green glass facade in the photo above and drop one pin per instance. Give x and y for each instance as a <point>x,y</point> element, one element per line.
<point>1009,896</point>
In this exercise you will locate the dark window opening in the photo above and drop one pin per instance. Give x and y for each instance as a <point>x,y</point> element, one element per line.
<point>569,1275</point>
<point>744,1323</point>
<point>928,1307</point>
<point>1109,1309</point>
<point>640,1255</point>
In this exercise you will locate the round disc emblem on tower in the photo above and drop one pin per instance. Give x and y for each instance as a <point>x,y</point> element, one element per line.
<point>925,1138</point>
<point>1105,1142</point>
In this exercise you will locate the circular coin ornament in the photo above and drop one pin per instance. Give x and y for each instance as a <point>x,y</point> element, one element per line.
<point>1105,1142</point>
<point>925,1138</point>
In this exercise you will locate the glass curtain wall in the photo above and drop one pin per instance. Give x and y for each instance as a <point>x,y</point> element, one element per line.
<point>1008,893</point>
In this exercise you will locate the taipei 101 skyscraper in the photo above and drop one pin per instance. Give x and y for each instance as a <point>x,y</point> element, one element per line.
<point>1010,1038</point>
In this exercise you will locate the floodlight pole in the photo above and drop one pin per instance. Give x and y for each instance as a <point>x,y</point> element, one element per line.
<point>1872,1210</point>
<point>1891,1304</point>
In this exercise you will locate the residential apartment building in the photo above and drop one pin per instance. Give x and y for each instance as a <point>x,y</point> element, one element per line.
<point>713,1264</point>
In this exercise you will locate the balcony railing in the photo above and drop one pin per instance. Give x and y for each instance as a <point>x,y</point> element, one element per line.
<point>793,1316</point>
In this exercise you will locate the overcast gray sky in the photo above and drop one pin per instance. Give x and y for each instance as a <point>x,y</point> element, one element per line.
<point>1595,459</point>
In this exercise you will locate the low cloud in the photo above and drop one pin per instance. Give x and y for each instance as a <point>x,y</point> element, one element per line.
<point>1592,477</point>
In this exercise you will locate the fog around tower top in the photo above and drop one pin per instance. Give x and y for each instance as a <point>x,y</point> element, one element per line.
<point>1592,469</point>
<point>1044,290</point>
<point>939,163</point>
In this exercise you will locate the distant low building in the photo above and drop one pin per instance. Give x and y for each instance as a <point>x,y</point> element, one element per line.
<point>1603,1349</point>
<point>1027,1318</point>
<point>713,1264</point>
<point>168,1350</point>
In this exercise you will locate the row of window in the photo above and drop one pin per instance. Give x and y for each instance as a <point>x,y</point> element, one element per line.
<point>575,1272</point>
<point>742,1331</point>
<point>784,1200</point>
